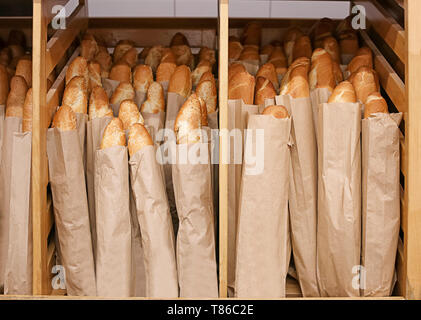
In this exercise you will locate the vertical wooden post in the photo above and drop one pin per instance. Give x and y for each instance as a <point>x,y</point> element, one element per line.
<point>223,148</point>
<point>412,237</point>
<point>39,156</point>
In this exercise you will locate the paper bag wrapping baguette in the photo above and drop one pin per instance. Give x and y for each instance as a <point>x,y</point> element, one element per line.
<point>113,259</point>
<point>263,253</point>
<point>71,212</point>
<point>196,256</point>
<point>109,86</point>
<point>11,125</point>
<point>339,199</point>
<point>155,121</point>
<point>81,120</point>
<point>381,194</point>
<point>303,191</point>
<point>155,224</point>
<point>318,96</point>
<point>18,277</point>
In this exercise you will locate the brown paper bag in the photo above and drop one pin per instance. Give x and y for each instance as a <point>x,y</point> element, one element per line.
<point>381,202</point>
<point>68,186</point>
<point>18,277</point>
<point>11,125</point>
<point>318,96</point>
<point>156,121</point>
<point>112,204</point>
<point>95,130</point>
<point>252,66</point>
<point>196,256</point>
<point>174,103</point>
<point>2,108</point>
<point>238,114</point>
<point>164,85</point>
<point>339,199</point>
<point>303,192</point>
<point>81,120</point>
<point>263,253</point>
<point>109,86</point>
<point>139,98</point>
<point>155,224</point>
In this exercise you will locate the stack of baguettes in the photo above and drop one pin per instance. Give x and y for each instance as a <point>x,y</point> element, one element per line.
<point>15,165</point>
<point>110,124</point>
<point>329,60</point>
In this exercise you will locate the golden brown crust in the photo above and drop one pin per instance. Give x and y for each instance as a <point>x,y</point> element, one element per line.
<point>27,112</point>
<point>16,97</point>
<point>78,67</point>
<point>64,119</point>
<point>332,47</point>
<point>94,69</point>
<point>129,114</point>
<point>323,28</point>
<point>168,56</point>
<point>363,58</point>
<point>154,57</point>
<point>264,90</point>
<point>121,72</point>
<point>250,54</point>
<point>290,37</point>
<point>114,134</point>
<point>144,53</point>
<point>302,48</point>
<point>278,59</point>
<point>130,57</point>
<point>123,91</point>
<point>155,101</point>
<point>267,49</point>
<point>105,61</point>
<point>252,34</point>
<point>321,73</point>
<point>207,76</point>
<point>235,68</point>
<point>179,39</point>
<point>75,95</point>
<point>24,69</point>
<point>241,86</point>
<point>88,49</point>
<point>138,138</point>
<point>183,55</point>
<point>206,89</point>
<point>337,72</point>
<point>375,104</point>
<point>268,71</point>
<point>181,81</point>
<point>279,112</point>
<point>142,77</point>
<point>202,67</point>
<point>234,49</point>
<point>4,84</point>
<point>121,48</point>
<point>207,54</point>
<point>344,92</point>
<point>365,83</point>
<point>203,112</point>
<point>188,121</point>
<point>165,71</point>
<point>98,104</point>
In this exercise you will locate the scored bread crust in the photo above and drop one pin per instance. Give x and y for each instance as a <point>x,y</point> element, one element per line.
<point>88,49</point>
<point>188,124</point>
<point>75,95</point>
<point>206,89</point>
<point>321,73</point>
<point>375,104</point>
<point>94,70</point>
<point>142,78</point>
<point>264,90</point>
<point>123,91</point>
<point>64,119</point>
<point>16,97</point>
<point>121,72</point>
<point>235,68</point>
<point>181,81</point>
<point>27,112</point>
<point>138,138</point>
<point>241,86</point>
<point>98,104</point>
<point>155,101</point>
<point>365,82</point>
<point>234,50</point>
<point>121,48</point>
<point>302,48</point>
<point>165,71</point>
<point>154,57</point>
<point>201,68</point>
<point>268,71</point>
<point>344,92</point>
<point>330,44</point>
<point>24,69</point>
<point>279,112</point>
<point>129,114</point>
<point>129,57</point>
<point>114,135</point>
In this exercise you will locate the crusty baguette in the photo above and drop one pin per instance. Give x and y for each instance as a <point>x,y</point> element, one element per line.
<point>76,95</point>
<point>183,55</point>
<point>121,48</point>
<point>187,124</point>
<point>363,58</point>
<point>208,54</point>
<point>88,49</point>
<point>98,104</point>
<point>264,90</point>
<point>138,138</point>
<point>165,71</point>
<point>179,39</point>
<point>24,69</point>
<point>129,114</point>
<point>302,48</point>
<point>375,103</point>
<point>241,86</point>
<point>94,69</point>
<point>206,90</point>
<point>268,71</point>
<point>279,112</point>
<point>154,57</point>
<point>123,91</point>
<point>181,81</point>
<point>344,92</point>
<point>252,34</point>
<point>365,82</point>
<point>234,50</point>
<point>78,67</point>
<point>114,135</point>
<point>142,78</point>
<point>64,119</point>
<point>27,112</point>
<point>154,102</point>
<point>105,61</point>
<point>201,68</point>
<point>235,68</point>
<point>4,84</point>
<point>16,97</point>
<point>330,44</point>
<point>121,72</point>
<point>290,37</point>
<point>321,73</point>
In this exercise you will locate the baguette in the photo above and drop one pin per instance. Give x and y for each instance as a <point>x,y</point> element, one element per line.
<point>76,95</point>
<point>24,69</point>
<point>267,50</point>
<point>321,73</point>
<point>142,78</point>
<point>64,119</point>
<point>129,114</point>
<point>279,112</point>
<point>129,57</point>
<point>348,43</point>
<point>154,102</point>
<point>268,71</point>
<point>27,112</point>
<point>290,37</point>
<point>252,34</point>
<point>154,57</point>
<point>363,58</point>
<point>249,53</point>
<point>124,91</point>
<point>202,67</point>
<point>78,67</point>
<point>168,56</point>
<point>206,90</point>
<point>183,55</point>
<point>179,39</point>
<point>105,61</point>
<point>278,59</point>
<point>207,76</point>
<point>207,54</point>
<point>234,69</point>
<point>4,84</point>
<point>188,121</point>
<point>98,104</point>
<point>114,135</point>
<point>241,86</point>
<point>203,112</point>
<point>302,48</point>
<point>16,97</point>
<point>234,50</point>
<point>121,48</point>
<point>332,47</point>
<point>365,82</point>
<point>181,81</point>
<point>375,103</point>
<point>121,72</point>
<point>337,72</point>
<point>94,71</point>
<point>165,71</point>
<point>264,90</point>
<point>344,92</point>
<point>88,49</point>
<point>138,138</point>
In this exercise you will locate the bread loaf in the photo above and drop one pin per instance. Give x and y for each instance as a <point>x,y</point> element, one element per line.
<point>321,73</point>
<point>241,86</point>
<point>5,56</point>
<point>235,68</point>
<point>365,83</point>
<point>142,78</point>
<point>129,114</point>
<point>144,53</point>
<point>332,47</point>
<point>234,50</point>
<point>290,37</point>
<point>187,124</point>
<point>375,103</point>
<point>363,58</point>
<point>138,138</point>
<point>130,57</point>
<point>267,50</point>
<point>348,43</point>
<point>183,55</point>
<point>168,56</point>
<point>121,72</point>
<point>124,91</point>
<point>105,61</point>
<point>268,71</point>
<point>78,67</point>
<point>295,82</point>
<point>4,84</point>
<point>179,39</point>
<point>207,76</point>
<point>154,57</point>
<point>202,67</point>
<point>24,69</point>
<point>114,135</point>
<point>64,119</point>
<point>181,81</point>
<point>88,49</point>
<point>154,102</point>
<point>16,97</point>
<point>264,90</point>
<point>252,34</point>
<point>207,54</point>
<point>27,112</point>
<point>206,90</point>
<point>76,95</point>
<point>302,48</point>
<point>344,92</point>
<point>94,70</point>
<point>17,51</point>
<point>337,72</point>
<point>121,48</point>
<point>98,104</point>
<point>165,71</point>
<point>279,112</point>
<point>250,54</point>
<point>203,112</point>
<point>278,59</point>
